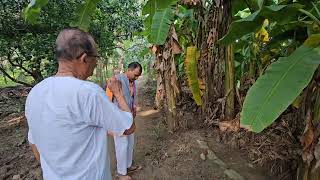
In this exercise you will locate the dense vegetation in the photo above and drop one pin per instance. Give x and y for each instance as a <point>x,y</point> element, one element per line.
<point>253,59</point>
<point>26,50</point>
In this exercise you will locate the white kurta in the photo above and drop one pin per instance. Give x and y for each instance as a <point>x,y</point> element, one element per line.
<point>68,119</point>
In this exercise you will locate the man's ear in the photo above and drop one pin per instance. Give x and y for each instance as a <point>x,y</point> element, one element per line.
<point>83,58</point>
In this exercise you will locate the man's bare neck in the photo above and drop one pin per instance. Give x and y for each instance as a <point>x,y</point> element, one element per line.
<point>66,69</point>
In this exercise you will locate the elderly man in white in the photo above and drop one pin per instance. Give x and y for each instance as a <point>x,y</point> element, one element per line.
<point>68,117</point>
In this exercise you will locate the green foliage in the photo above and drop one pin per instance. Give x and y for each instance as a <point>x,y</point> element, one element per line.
<point>28,50</point>
<point>238,6</point>
<point>150,8</point>
<point>113,22</point>
<point>191,62</point>
<point>161,23</point>
<point>280,14</point>
<point>84,13</point>
<point>32,11</point>
<point>136,50</point>
<point>152,5</point>
<point>273,50</point>
<point>6,82</point>
<point>186,26</point>
<point>280,85</point>
<point>255,4</point>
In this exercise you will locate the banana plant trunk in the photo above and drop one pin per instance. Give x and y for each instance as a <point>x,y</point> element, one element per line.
<point>167,83</point>
<point>171,110</point>
<point>310,168</point>
<point>230,84</point>
<point>214,25</point>
<point>165,94</point>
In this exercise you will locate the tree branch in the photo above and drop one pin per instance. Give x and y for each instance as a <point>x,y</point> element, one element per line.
<point>13,79</point>
<point>18,65</point>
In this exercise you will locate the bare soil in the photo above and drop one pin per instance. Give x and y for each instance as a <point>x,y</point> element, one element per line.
<point>16,158</point>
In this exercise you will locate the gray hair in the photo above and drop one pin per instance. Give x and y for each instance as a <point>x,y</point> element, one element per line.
<point>72,43</point>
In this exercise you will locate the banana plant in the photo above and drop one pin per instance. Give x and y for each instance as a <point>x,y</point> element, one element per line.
<point>161,23</point>
<point>283,81</point>
<point>84,13</point>
<point>285,78</point>
<point>160,15</point>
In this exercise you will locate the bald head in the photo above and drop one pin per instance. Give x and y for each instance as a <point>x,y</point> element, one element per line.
<point>72,43</point>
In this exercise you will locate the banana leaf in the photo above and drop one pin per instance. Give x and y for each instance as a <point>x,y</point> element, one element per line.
<point>191,64</point>
<point>282,82</point>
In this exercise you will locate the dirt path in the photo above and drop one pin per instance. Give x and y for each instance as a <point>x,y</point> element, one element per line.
<point>16,159</point>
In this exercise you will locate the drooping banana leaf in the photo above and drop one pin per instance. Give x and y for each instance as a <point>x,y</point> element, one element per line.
<point>84,13</point>
<point>151,7</point>
<point>282,82</point>
<point>161,23</point>
<point>191,64</point>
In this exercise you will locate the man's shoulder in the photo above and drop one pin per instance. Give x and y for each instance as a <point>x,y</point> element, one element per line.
<point>121,75</point>
<point>68,84</point>
<point>90,85</point>
<point>40,85</point>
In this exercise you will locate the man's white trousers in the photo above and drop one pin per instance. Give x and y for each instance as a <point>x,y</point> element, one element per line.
<point>124,152</point>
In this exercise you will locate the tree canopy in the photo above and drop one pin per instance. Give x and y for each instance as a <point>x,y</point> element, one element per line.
<point>27,50</point>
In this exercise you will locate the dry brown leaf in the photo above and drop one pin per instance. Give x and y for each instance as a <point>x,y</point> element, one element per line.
<point>159,83</point>
<point>307,140</point>
<point>211,37</point>
<point>176,48</point>
<point>166,54</point>
<point>202,84</point>
<point>191,2</point>
<point>308,135</point>
<point>174,33</point>
<point>174,42</point>
<point>233,125</point>
<point>153,49</point>
<point>317,156</point>
<point>161,66</point>
<point>173,79</point>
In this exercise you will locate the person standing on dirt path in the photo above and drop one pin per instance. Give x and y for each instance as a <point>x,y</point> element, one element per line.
<point>124,144</point>
<point>68,117</point>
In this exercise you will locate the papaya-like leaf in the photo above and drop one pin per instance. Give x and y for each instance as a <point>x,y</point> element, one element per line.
<point>191,65</point>
<point>161,23</point>
<point>282,82</point>
<point>83,14</point>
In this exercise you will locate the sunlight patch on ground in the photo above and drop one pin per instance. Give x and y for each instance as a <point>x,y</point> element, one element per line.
<point>147,112</point>
<point>12,122</point>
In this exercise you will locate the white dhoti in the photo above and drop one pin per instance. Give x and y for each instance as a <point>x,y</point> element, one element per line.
<point>124,152</point>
